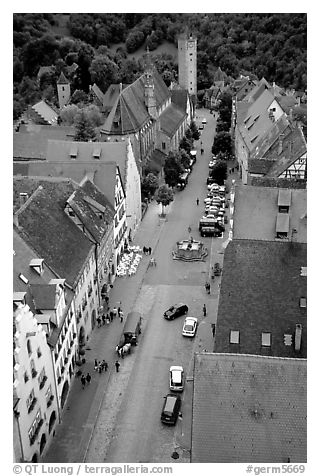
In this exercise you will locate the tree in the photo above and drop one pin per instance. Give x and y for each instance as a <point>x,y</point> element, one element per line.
<point>219,172</point>
<point>68,114</point>
<point>186,144</point>
<point>104,72</point>
<point>222,143</point>
<point>184,158</point>
<point>84,130</point>
<point>149,185</point>
<point>172,169</point>
<point>134,40</point>
<point>164,195</point>
<point>94,115</point>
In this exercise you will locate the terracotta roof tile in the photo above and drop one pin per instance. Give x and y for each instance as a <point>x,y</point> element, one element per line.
<point>249,409</point>
<point>260,291</point>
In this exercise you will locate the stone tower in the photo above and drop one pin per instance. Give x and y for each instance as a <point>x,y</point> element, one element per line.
<point>63,86</point>
<point>187,62</point>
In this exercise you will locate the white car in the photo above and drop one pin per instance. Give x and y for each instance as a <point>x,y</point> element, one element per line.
<point>204,121</point>
<point>190,326</point>
<point>212,163</point>
<point>207,200</point>
<point>176,381</point>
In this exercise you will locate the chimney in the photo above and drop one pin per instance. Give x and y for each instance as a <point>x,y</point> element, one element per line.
<point>297,338</point>
<point>280,148</point>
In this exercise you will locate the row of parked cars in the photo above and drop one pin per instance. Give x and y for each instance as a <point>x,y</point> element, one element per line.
<point>172,401</point>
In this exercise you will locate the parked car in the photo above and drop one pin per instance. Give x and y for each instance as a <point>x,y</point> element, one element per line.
<point>170,409</point>
<point>175,311</point>
<point>210,231</point>
<point>201,127</point>
<point>217,269</point>
<point>190,326</point>
<point>176,382</point>
<point>207,200</point>
<point>204,121</point>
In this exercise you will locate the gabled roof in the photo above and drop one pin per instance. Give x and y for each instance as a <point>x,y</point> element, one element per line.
<point>102,174</point>
<point>97,91</point>
<point>171,119</point>
<point>44,296</point>
<point>32,141</point>
<point>111,95</point>
<point>293,147</point>
<point>259,166</point>
<point>272,135</point>
<point>260,293</point>
<point>287,103</point>
<point>255,213</point>
<point>109,152</point>
<point>45,226</point>
<point>258,121</point>
<point>129,110</point>
<point>46,112</point>
<point>62,79</point>
<point>179,97</point>
<point>257,90</point>
<point>248,408</point>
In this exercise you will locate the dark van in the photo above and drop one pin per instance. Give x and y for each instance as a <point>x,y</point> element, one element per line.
<point>132,327</point>
<point>171,408</point>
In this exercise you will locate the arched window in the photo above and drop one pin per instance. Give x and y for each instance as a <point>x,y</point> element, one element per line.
<point>29,348</point>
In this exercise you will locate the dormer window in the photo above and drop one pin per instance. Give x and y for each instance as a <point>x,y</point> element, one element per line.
<point>266,339</point>
<point>73,152</point>
<point>37,265</point>
<point>97,153</point>
<point>234,337</point>
<point>19,298</point>
<point>284,200</point>
<point>23,278</point>
<point>303,302</point>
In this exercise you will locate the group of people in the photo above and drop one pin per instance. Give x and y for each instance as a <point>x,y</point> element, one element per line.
<point>108,317</point>
<point>100,366</point>
<point>147,250</point>
<point>85,379</point>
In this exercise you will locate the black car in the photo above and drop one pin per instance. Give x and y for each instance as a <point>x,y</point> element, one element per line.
<point>176,311</point>
<point>170,409</point>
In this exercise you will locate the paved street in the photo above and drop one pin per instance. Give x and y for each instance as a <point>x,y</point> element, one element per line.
<point>117,418</point>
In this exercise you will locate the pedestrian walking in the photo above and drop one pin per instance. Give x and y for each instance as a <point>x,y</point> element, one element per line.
<point>150,250</point>
<point>202,151</point>
<point>99,321</point>
<point>95,364</point>
<point>115,312</point>
<point>121,316</point>
<point>100,367</point>
<point>212,272</point>
<point>107,300</point>
<point>213,329</point>
<point>111,315</point>
<point>117,365</point>
<point>204,310</point>
<point>88,378</point>
<point>119,310</point>
<point>104,365</point>
<point>103,319</point>
<point>197,201</point>
<point>107,320</point>
<point>83,381</point>
<point>207,286</point>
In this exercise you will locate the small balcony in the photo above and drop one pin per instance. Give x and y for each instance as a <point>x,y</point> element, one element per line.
<point>43,381</point>
<point>34,373</point>
<point>32,405</point>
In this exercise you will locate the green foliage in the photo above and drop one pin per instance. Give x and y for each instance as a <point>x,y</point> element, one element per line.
<point>68,114</point>
<point>172,169</point>
<point>134,40</point>
<point>84,130</point>
<point>194,130</point>
<point>186,144</point>
<point>149,185</point>
<point>222,143</point>
<point>164,195</point>
<point>219,172</point>
<point>104,72</point>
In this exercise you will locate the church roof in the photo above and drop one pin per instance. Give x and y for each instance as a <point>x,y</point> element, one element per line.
<point>62,79</point>
<point>129,113</point>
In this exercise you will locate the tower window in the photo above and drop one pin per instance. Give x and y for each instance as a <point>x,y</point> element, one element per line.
<point>62,88</point>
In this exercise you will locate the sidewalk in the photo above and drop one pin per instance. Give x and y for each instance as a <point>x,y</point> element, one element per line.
<point>73,435</point>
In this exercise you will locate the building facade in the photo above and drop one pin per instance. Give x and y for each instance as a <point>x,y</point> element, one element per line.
<point>35,396</point>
